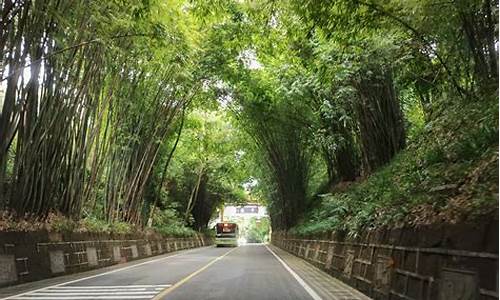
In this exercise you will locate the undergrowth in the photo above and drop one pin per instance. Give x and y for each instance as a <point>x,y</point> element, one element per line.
<point>57,223</point>
<point>447,174</point>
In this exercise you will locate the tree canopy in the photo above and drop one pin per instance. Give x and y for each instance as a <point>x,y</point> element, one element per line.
<point>335,114</point>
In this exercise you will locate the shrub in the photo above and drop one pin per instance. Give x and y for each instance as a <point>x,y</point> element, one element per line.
<point>169,223</point>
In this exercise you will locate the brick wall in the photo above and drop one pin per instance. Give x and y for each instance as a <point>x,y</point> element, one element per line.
<point>29,256</point>
<point>435,262</point>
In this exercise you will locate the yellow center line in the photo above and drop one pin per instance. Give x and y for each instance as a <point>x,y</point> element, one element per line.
<point>190,276</point>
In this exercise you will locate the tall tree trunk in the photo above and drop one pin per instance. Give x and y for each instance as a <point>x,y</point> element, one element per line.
<point>194,193</point>
<point>164,171</point>
<point>381,124</point>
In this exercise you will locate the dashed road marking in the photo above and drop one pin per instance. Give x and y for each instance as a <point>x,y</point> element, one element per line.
<point>187,278</point>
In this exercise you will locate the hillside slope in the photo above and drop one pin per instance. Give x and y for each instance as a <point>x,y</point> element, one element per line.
<point>447,174</point>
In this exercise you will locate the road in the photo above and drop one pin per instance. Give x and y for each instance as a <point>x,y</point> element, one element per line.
<point>245,272</point>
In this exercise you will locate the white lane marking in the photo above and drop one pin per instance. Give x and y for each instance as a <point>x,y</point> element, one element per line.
<point>111,286</point>
<point>101,274</point>
<point>97,292</point>
<point>308,289</point>
<point>57,290</point>
<point>92,293</point>
<point>81,298</point>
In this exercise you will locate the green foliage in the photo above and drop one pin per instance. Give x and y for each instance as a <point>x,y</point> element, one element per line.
<point>121,228</point>
<point>94,225</point>
<point>154,113</point>
<point>452,178</point>
<point>59,223</point>
<point>169,223</point>
<point>107,82</point>
<point>208,167</point>
<point>302,80</point>
<point>257,231</point>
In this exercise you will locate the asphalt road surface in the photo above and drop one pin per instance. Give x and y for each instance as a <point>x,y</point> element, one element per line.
<point>245,272</point>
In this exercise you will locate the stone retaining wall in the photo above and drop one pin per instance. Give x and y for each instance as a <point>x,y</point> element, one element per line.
<point>440,262</point>
<point>29,256</point>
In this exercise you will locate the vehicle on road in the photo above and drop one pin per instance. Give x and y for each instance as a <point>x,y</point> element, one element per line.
<point>226,234</point>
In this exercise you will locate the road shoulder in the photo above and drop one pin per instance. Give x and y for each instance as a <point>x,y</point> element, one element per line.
<point>326,286</point>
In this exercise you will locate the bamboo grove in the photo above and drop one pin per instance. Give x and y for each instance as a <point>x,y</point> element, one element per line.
<point>161,111</point>
<point>340,87</point>
<point>91,93</point>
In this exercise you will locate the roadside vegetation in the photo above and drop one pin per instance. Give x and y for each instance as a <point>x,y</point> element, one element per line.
<point>452,179</point>
<point>364,114</point>
<point>120,116</point>
<point>258,231</point>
